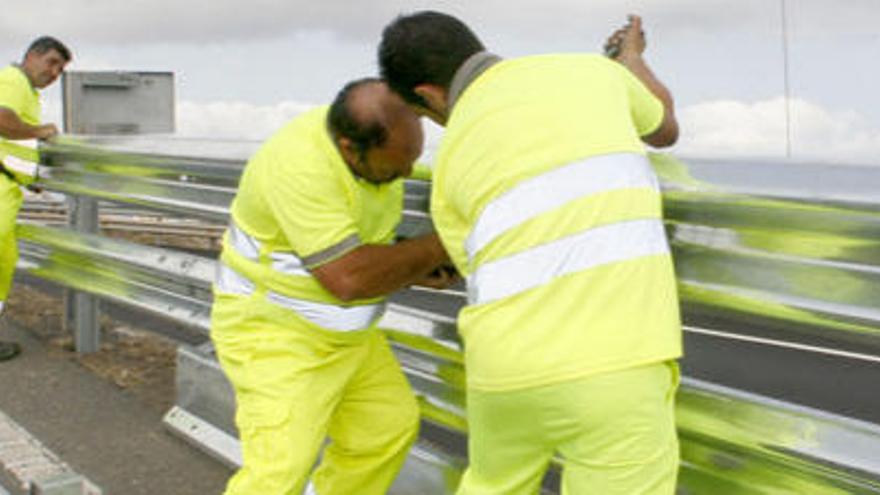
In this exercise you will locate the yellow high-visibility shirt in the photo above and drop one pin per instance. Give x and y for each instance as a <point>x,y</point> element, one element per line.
<point>299,201</point>
<point>546,202</point>
<point>17,95</point>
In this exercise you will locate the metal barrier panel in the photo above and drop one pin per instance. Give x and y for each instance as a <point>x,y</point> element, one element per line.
<point>778,253</point>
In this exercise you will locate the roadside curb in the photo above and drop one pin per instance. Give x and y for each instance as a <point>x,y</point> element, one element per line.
<point>29,468</point>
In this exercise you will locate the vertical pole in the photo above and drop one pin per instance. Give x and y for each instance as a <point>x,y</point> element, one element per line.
<point>83,307</point>
<point>785,79</point>
<point>80,309</point>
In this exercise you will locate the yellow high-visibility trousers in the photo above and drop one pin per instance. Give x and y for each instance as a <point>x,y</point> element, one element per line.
<point>296,385</point>
<point>615,433</point>
<point>10,202</point>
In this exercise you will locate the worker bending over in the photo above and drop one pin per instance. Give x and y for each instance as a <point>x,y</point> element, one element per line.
<point>307,261</point>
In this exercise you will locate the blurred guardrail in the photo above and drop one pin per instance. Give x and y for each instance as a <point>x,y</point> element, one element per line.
<point>793,250</point>
<point>120,221</point>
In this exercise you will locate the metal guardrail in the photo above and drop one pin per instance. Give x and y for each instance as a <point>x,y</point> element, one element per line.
<point>114,219</point>
<point>787,250</point>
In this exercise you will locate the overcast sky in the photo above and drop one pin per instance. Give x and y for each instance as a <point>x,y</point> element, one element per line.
<point>243,68</point>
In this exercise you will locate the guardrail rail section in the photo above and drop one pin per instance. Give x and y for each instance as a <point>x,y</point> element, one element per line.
<point>767,252</point>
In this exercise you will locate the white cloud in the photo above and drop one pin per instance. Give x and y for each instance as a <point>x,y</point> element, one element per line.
<point>89,62</point>
<point>723,128</point>
<point>172,21</point>
<point>728,128</point>
<point>234,119</point>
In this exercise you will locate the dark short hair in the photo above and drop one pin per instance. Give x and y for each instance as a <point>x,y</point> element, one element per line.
<point>424,48</point>
<point>43,44</point>
<point>364,133</point>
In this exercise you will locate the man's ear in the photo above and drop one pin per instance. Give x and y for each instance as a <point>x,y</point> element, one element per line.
<point>434,97</point>
<point>27,60</point>
<point>347,149</point>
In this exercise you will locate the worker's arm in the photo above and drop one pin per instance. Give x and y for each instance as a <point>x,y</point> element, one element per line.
<point>377,270</point>
<point>322,227</point>
<point>627,46</point>
<point>12,127</point>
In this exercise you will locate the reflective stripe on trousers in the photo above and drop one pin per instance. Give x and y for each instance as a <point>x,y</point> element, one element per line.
<point>329,316</point>
<point>593,247</point>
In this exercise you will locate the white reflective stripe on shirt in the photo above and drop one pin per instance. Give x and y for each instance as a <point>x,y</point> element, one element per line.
<point>555,188</point>
<point>19,165</point>
<point>539,265</point>
<point>282,261</point>
<point>246,245</point>
<point>331,316</point>
<point>288,264</point>
<point>230,281</point>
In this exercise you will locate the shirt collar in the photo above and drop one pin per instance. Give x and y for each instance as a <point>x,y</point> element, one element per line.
<point>471,69</point>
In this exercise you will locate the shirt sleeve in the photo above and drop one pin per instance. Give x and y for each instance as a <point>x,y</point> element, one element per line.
<point>422,171</point>
<point>314,212</point>
<point>12,96</point>
<point>449,224</point>
<point>645,109</point>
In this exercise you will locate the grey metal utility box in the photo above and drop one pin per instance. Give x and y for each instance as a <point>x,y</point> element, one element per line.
<point>115,102</point>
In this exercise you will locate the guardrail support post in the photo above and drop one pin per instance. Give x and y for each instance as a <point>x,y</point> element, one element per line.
<point>81,309</point>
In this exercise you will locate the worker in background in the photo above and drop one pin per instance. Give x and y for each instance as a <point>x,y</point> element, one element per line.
<point>306,264</point>
<point>546,202</point>
<point>43,62</point>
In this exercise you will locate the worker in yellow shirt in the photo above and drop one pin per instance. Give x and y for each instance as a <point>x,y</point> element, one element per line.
<point>43,62</point>
<point>306,263</point>
<point>545,200</point>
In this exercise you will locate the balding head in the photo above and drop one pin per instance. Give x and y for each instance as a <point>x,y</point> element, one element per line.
<point>378,135</point>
